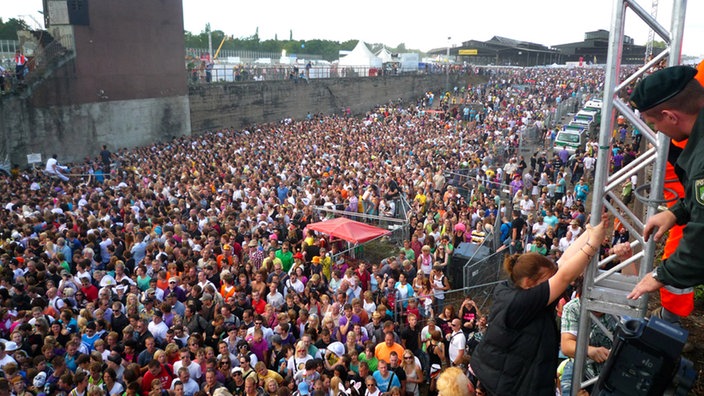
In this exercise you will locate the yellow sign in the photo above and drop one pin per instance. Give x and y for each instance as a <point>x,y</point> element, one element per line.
<point>468,52</point>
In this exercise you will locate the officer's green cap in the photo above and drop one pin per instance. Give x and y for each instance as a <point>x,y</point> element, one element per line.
<point>661,86</point>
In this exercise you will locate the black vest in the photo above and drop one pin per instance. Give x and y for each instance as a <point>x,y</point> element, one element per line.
<point>513,361</point>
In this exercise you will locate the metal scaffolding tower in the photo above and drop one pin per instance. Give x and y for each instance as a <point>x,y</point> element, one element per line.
<point>606,291</point>
<point>651,33</point>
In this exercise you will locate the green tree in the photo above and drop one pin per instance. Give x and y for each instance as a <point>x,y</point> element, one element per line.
<point>327,49</point>
<point>9,29</point>
<point>659,44</point>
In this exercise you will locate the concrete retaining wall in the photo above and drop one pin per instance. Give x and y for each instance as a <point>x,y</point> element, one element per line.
<point>79,130</point>
<point>239,105</point>
<point>76,131</point>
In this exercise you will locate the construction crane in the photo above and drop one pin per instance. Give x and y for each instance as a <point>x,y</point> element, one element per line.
<point>651,33</point>
<point>224,38</point>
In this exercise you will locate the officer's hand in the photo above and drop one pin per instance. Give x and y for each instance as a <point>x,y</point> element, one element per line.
<point>646,285</point>
<point>662,221</point>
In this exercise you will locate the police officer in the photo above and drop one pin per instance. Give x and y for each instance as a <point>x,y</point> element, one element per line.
<point>673,101</point>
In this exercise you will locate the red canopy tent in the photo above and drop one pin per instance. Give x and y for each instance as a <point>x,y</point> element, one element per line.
<point>348,230</point>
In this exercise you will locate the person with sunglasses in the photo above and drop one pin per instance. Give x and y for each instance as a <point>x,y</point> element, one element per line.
<point>456,342</point>
<point>372,389</point>
<point>414,373</point>
<point>247,370</point>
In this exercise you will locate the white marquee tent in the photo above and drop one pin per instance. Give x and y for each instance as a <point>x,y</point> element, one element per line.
<point>361,59</point>
<point>385,55</point>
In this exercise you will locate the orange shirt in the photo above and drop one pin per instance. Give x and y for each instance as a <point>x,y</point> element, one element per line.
<point>227,291</point>
<point>383,351</point>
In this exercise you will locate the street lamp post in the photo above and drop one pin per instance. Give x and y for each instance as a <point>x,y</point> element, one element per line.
<point>210,40</point>
<point>447,72</point>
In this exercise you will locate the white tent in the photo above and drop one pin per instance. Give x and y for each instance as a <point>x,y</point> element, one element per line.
<point>361,59</point>
<point>385,55</point>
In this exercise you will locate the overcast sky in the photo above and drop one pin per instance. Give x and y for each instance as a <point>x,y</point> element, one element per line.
<point>419,25</point>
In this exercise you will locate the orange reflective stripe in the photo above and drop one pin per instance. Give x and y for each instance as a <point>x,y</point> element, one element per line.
<point>700,75</point>
<point>678,301</point>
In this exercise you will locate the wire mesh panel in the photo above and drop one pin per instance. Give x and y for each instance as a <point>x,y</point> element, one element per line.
<point>482,276</point>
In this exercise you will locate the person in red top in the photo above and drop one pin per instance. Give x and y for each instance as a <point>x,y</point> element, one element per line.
<point>258,304</point>
<point>363,275</point>
<point>155,371</point>
<point>21,63</point>
<point>89,290</point>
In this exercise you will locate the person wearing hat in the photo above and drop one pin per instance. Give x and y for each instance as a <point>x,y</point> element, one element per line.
<point>6,349</point>
<point>236,386</point>
<point>147,310</point>
<point>574,228</point>
<point>673,102</point>
<point>174,287</point>
<point>256,256</point>
<point>227,257</point>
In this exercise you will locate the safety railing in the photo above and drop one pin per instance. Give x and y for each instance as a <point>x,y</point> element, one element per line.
<point>44,60</point>
<point>481,294</point>
<point>8,48</point>
<point>199,73</point>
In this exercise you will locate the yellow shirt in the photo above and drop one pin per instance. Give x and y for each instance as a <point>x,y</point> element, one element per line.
<point>272,374</point>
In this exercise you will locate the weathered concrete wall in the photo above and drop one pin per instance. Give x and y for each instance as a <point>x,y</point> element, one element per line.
<point>74,132</point>
<point>242,104</point>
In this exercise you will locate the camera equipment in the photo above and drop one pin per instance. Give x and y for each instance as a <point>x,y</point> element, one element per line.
<point>645,360</point>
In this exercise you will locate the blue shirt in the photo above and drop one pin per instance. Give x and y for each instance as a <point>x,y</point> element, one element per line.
<point>383,384</point>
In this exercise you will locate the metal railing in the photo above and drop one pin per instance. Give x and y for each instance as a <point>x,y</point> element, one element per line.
<point>8,48</point>
<point>556,114</point>
<point>244,55</point>
<point>484,275</point>
<point>199,73</point>
<point>45,59</point>
<point>253,72</point>
<point>453,298</point>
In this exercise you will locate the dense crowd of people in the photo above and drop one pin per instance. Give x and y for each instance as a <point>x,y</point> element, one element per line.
<point>186,267</point>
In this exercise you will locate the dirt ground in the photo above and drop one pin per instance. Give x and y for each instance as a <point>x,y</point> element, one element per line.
<point>695,325</point>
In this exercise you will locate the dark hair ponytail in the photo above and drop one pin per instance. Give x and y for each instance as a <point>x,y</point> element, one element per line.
<point>526,265</point>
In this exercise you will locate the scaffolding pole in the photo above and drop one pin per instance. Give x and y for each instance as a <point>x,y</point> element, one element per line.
<point>606,292</point>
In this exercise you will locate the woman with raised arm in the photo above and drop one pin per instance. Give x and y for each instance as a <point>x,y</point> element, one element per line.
<point>518,354</point>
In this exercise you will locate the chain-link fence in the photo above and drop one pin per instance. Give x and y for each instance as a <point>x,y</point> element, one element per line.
<point>200,73</point>
<point>481,277</point>
<point>557,113</point>
<point>482,294</point>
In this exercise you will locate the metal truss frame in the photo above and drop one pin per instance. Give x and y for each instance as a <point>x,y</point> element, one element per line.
<point>606,291</point>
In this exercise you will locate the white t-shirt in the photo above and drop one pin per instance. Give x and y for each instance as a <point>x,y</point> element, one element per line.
<point>296,364</point>
<point>189,388</point>
<point>193,369</point>
<point>457,344</point>
<point>51,164</point>
<point>158,330</point>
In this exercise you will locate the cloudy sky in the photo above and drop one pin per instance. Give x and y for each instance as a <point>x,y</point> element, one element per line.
<point>419,25</point>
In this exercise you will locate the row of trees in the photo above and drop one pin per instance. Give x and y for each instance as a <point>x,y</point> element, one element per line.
<point>9,29</point>
<point>328,49</point>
